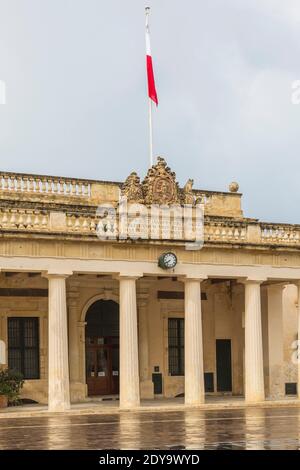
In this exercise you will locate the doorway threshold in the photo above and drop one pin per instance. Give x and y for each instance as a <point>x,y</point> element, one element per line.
<point>103,398</point>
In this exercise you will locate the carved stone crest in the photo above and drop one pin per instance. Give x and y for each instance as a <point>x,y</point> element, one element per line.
<point>132,189</point>
<point>160,186</point>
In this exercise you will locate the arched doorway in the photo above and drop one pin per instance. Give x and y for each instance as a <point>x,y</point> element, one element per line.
<point>102,348</point>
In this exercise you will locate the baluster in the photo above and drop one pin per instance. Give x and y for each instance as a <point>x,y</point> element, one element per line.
<point>68,187</point>
<point>50,185</point>
<point>21,219</point>
<point>86,188</point>
<point>44,185</point>
<point>38,184</point>
<point>9,183</point>
<point>79,190</point>
<point>13,218</point>
<point>70,222</point>
<point>55,186</point>
<point>5,183</point>
<point>93,225</point>
<point>62,187</point>
<point>224,233</point>
<point>217,232</point>
<point>31,184</point>
<point>18,183</point>
<point>77,224</point>
<point>73,188</point>
<point>36,221</point>
<point>44,222</point>
<point>230,233</point>
<point>85,225</point>
<point>25,183</point>
<point>4,220</point>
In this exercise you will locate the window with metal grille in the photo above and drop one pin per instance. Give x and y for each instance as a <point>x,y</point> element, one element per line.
<point>23,346</point>
<point>176,346</point>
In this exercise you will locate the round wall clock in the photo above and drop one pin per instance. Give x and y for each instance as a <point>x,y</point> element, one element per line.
<point>167,260</point>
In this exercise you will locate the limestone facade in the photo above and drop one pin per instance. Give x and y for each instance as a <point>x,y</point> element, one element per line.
<point>237,296</point>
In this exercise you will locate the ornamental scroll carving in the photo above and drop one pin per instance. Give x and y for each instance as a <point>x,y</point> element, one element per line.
<point>159,187</point>
<point>132,189</point>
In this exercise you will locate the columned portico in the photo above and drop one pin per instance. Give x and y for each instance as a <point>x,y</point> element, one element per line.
<point>254,370</point>
<point>194,374</point>
<point>58,372</point>
<point>129,364</point>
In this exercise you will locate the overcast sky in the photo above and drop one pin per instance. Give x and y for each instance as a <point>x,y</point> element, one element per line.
<point>76,93</point>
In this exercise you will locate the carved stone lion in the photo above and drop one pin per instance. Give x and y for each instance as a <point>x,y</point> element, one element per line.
<point>188,196</point>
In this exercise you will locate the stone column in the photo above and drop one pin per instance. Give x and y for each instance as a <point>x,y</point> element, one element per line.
<point>129,363</point>
<point>146,385</point>
<point>193,344</point>
<point>298,364</point>
<point>254,368</point>
<point>275,341</point>
<point>73,335</point>
<point>58,375</point>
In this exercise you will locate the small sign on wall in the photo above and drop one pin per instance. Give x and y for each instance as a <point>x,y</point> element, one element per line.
<point>2,352</point>
<point>115,372</point>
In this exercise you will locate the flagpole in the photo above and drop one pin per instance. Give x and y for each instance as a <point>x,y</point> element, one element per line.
<point>147,12</point>
<point>150,133</point>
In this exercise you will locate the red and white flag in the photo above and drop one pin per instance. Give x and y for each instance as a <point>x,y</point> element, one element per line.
<point>150,74</point>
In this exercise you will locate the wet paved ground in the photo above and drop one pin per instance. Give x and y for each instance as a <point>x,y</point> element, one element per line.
<point>251,428</point>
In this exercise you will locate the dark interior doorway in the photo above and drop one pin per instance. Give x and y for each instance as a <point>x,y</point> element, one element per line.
<point>102,348</point>
<point>224,372</point>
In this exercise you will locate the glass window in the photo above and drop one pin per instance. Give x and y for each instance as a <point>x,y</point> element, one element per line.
<point>23,346</point>
<point>176,346</point>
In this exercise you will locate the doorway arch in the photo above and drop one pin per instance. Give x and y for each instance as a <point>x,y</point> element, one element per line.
<point>102,347</point>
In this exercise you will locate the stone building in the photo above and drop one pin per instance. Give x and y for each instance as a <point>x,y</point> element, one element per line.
<point>84,315</point>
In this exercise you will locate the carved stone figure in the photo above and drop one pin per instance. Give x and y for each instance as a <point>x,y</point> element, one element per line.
<point>188,196</point>
<point>132,189</point>
<point>160,186</point>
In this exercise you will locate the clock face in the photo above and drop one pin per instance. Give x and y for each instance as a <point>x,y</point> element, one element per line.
<point>167,261</point>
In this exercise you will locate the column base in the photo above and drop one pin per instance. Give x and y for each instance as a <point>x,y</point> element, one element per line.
<point>126,405</point>
<point>59,407</point>
<point>194,401</point>
<point>146,390</point>
<point>255,398</point>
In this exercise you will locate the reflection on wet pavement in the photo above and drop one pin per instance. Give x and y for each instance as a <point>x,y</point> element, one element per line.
<point>251,428</point>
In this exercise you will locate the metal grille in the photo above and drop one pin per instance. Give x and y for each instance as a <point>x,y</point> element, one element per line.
<point>176,346</point>
<point>23,346</point>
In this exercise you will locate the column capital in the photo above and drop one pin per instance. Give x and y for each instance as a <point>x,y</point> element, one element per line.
<point>56,275</point>
<point>276,286</point>
<point>127,276</point>
<point>185,279</point>
<point>249,281</point>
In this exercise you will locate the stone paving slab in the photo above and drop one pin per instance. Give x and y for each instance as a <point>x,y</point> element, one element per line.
<point>159,405</point>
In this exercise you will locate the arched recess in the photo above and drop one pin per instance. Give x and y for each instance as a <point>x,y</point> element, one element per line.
<point>101,316</point>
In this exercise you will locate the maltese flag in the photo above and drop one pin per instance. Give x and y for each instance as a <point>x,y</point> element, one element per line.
<point>150,74</point>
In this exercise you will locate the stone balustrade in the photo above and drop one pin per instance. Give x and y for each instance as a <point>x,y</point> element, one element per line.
<point>23,219</point>
<point>220,231</point>
<point>281,234</point>
<point>38,217</point>
<point>43,185</point>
